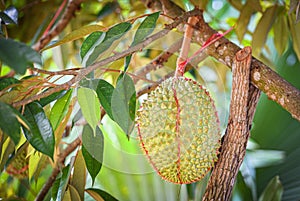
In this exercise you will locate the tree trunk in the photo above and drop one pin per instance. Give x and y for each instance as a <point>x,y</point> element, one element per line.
<point>244,98</point>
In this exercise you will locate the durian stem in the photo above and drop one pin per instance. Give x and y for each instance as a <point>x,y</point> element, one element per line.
<point>185,47</point>
<point>244,98</point>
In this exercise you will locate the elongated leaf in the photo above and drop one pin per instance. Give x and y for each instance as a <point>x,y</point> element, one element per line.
<point>73,194</point>
<point>12,13</point>
<point>273,191</point>
<point>59,109</point>
<point>36,165</point>
<point>295,5</point>
<point>75,35</point>
<point>41,135</point>
<point>52,97</point>
<point>92,150</point>
<point>295,30</point>
<point>104,91</point>
<point>60,185</point>
<point>144,30</point>
<point>89,83</point>
<point>243,21</point>
<point>111,35</point>
<point>281,34</point>
<point>5,82</point>
<point>18,55</point>
<point>9,123</point>
<point>98,194</point>
<point>6,19</point>
<point>90,41</point>
<point>262,29</point>
<point>123,103</point>
<point>89,105</point>
<point>79,176</point>
<point>107,9</point>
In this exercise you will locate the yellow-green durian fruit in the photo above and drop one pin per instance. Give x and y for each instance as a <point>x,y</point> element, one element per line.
<point>179,130</point>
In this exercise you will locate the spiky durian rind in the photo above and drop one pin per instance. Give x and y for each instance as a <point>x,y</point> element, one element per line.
<point>181,148</point>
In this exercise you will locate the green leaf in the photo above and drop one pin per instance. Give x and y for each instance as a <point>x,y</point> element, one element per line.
<point>127,62</point>
<point>59,109</point>
<point>104,91</point>
<point>98,194</point>
<point>295,29</point>
<point>262,29</point>
<point>9,123</point>
<point>18,55</point>
<point>52,97</point>
<point>13,14</point>
<point>60,185</point>
<point>281,34</point>
<point>273,191</point>
<point>92,150</point>
<point>123,103</point>
<point>6,19</point>
<point>9,15</point>
<point>144,30</point>
<point>243,21</point>
<point>89,105</point>
<point>79,175</point>
<point>89,83</point>
<point>75,35</point>
<point>111,35</point>
<point>41,135</point>
<point>89,42</point>
<point>5,82</point>
<point>107,9</point>
<point>72,194</point>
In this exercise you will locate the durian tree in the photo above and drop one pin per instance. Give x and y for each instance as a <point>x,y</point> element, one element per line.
<point>149,100</point>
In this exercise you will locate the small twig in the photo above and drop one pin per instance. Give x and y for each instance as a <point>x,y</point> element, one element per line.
<point>242,107</point>
<point>133,76</point>
<point>62,72</point>
<point>185,46</point>
<point>58,12</point>
<point>159,60</point>
<point>58,164</point>
<point>72,6</point>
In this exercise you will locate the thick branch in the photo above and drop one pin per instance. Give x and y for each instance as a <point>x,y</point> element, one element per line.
<point>262,76</point>
<point>59,163</point>
<point>242,107</point>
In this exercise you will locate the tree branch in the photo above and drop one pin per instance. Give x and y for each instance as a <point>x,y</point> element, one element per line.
<point>59,163</point>
<point>85,71</point>
<point>72,6</point>
<point>242,107</point>
<point>159,60</point>
<point>262,76</point>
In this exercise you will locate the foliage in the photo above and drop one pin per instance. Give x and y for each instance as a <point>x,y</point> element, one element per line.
<point>100,107</point>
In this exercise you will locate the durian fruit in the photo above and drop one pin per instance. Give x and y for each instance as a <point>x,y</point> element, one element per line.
<point>179,130</point>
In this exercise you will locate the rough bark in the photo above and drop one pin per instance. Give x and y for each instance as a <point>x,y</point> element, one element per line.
<point>244,99</point>
<point>262,76</point>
